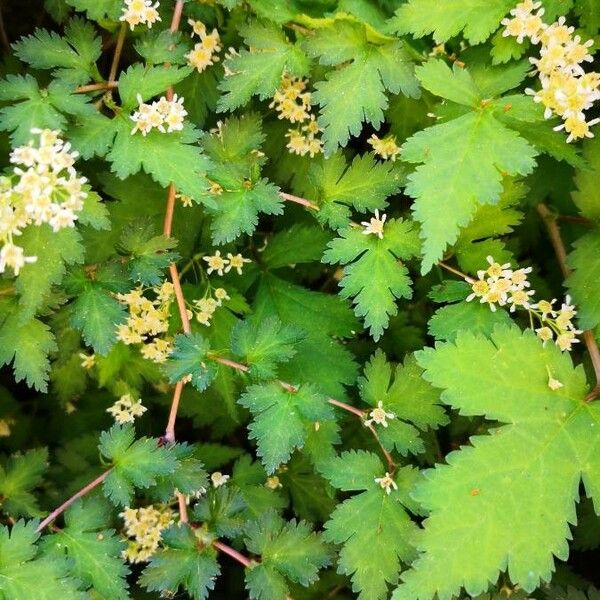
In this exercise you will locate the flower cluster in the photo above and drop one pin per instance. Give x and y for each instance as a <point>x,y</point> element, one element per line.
<point>136,12</point>
<point>220,265</point>
<point>145,526</point>
<point>293,102</point>
<point>147,320</point>
<point>126,409</point>
<point>158,114</point>
<point>500,285</point>
<point>374,225</point>
<point>385,147</point>
<point>204,53</point>
<point>567,90</point>
<point>44,188</point>
<point>205,307</point>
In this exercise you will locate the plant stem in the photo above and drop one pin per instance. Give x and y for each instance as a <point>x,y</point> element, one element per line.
<point>185,322</point>
<point>298,200</point>
<point>456,272</point>
<point>225,549</point>
<point>95,87</point>
<point>114,67</point>
<point>561,254</point>
<point>82,492</point>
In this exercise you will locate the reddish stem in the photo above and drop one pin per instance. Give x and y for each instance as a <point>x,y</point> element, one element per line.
<point>95,87</point>
<point>82,492</point>
<point>225,549</point>
<point>298,200</point>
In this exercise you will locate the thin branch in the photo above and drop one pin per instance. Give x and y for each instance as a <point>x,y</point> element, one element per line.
<point>96,87</point>
<point>231,363</point>
<point>185,322</point>
<point>225,549</point>
<point>561,255</point>
<point>456,272</point>
<point>574,219</point>
<point>82,492</point>
<point>114,67</point>
<point>298,200</point>
<point>347,407</point>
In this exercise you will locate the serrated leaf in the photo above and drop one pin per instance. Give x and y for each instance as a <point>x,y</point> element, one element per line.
<point>476,19</point>
<point>95,551</point>
<point>27,346</point>
<point>296,245</point>
<point>448,321</point>
<point>72,57</point>
<point>583,282</point>
<point>262,344</point>
<point>19,475</point>
<point>364,185</point>
<point>374,275</point>
<point>290,549</point>
<point>189,477</point>
<point>412,402</point>
<point>258,71</point>
<point>135,463</point>
<point>190,357</point>
<point>587,197</point>
<point>98,10</point>
<point>526,473</point>
<point>236,210</point>
<point>167,158</point>
<point>281,419</point>
<point>92,135</point>
<point>147,82</point>
<point>462,164</point>
<point>454,84</point>
<point>182,563</point>
<point>33,107</point>
<point>25,574</point>
<point>373,70</point>
<point>372,519</point>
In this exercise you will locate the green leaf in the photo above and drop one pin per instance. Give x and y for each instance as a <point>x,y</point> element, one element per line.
<point>149,254</point>
<point>258,71</point>
<point>373,273</point>
<point>237,210</point>
<point>92,134</point>
<point>19,475</point>
<point>583,283</point>
<point>190,357</point>
<point>72,57</point>
<point>412,402</point>
<point>95,551</point>
<point>372,520</point>
<point>373,70</point>
<point>135,463</point>
<point>182,563</point>
<point>33,107</point>
<point>262,344</point>
<point>289,550</point>
<point>189,478</point>
<point>27,346</point>
<point>159,47</point>
<point>147,82</point>
<point>24,574</point>
<point>587,196</point>
<point>281,419</point>
<point>96,314</point>
<point>463,162</point>
<point>364,185</point>
<point>589,15</point>
<point>296,245</point>
<point>454,84</point>
<point>448,321</point>
<point>167,158</point>
<point>98,10</point>
<point>526,473</point>
<point>476,19</point>
<point>54,250</point>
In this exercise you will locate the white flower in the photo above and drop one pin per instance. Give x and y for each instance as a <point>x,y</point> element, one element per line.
<point>379,416</point>
<point>216,263</point>
<point>218,479</point>
<point>13,256</point>
<point>374,225</point>
<point>386,483</point>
